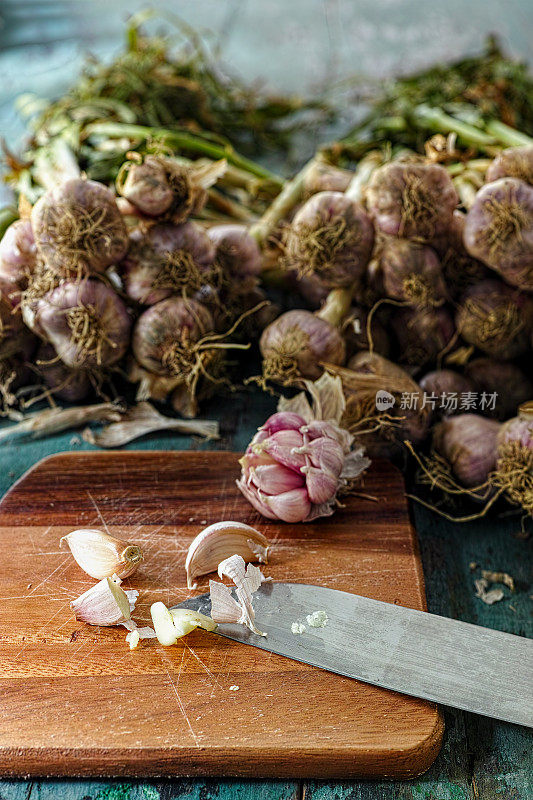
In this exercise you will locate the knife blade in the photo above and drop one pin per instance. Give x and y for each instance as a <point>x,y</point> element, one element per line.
<point>413,652</point>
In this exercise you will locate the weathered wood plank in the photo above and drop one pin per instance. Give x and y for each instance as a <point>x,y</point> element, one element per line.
<point>175,790</point>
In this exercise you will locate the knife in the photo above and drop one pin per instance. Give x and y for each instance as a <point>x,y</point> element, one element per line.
<point>420,654</point>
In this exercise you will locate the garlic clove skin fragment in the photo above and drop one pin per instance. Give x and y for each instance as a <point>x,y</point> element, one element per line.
<point>220,541</point>
<point>247,579</point>
<point>104,604</point>
<point>101,555</point>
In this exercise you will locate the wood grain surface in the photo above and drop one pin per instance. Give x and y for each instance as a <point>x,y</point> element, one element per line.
<point>77,701</point>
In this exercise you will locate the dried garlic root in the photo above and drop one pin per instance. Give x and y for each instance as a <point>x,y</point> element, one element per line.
<point>101,555</point>
<point>218,542</point>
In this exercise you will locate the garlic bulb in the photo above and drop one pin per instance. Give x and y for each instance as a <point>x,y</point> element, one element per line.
<point>101,555</point>
<point>171,624</point>
<point>104,604</point>
<point>219,541</point>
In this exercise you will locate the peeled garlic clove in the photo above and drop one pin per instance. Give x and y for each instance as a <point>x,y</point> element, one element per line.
<point>101,555</point>
<point>172,625</point>
<point>219,541</point>
<point>103,604</point>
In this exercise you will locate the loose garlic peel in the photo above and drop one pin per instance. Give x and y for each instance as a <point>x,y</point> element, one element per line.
<point>104,604</point>
<point>247,579</point>
<point>101,555</point>
<point>171,625</point>
<point>218,542</point>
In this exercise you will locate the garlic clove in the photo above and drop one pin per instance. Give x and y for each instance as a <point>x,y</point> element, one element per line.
<point>275,478</point>
<point>252,495</point>
<point>325,454</point>
<point>282,421</point>
<point>103,604</point>
<point>217,542</point>
<point>101,555</point>
<point>283,446</point>
<point>292,506</point>
<point>321,484</point>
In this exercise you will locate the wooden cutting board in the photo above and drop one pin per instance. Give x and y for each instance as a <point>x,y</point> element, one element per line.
<point>77,702</point>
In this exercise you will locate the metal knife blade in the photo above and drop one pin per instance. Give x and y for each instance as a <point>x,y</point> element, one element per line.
<point>413,652</point>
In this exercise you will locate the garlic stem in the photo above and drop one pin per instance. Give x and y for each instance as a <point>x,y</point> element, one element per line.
<point>290,195</point>
<point>336,306</point>
<point>364,171</point>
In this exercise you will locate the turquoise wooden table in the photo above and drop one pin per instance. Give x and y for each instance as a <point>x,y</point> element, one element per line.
<point>41,45</point>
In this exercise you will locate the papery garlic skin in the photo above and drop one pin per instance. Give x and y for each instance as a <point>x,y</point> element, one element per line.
<point>247,579</point>
<point>224,607</point>
<point>219,541</point>
<point>104,604</point>
<point>293,469</point>
<point>171,624</point>
<point>101,555</point>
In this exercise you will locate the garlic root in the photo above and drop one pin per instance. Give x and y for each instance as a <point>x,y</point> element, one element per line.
<point>218,542</point>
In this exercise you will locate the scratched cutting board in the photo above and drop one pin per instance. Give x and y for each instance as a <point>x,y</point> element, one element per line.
<point>75,701</point>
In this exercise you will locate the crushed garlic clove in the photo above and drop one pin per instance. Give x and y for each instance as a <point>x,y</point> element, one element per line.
<point>101,555</point>
<point>318,619</point>
<point>187,620</point>
<point>171,625</point>
<point>104,604</point>
<point>219,541</point>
